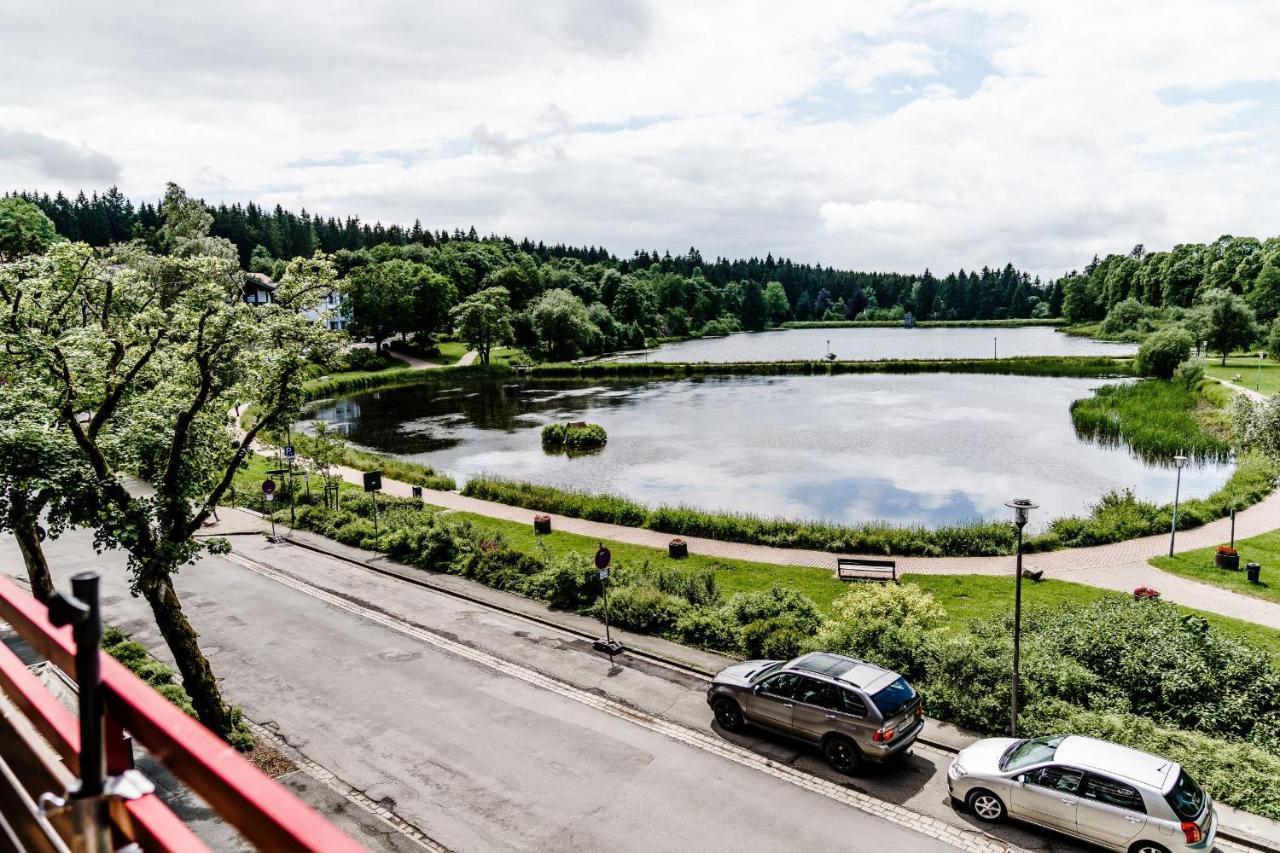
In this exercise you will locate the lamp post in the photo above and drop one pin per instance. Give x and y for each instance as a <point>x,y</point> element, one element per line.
<point>1021,512</point>
<point>1258,385</point>
<point>1178,461</point>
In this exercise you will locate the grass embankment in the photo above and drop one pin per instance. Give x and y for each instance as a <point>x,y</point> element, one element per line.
<point>920,324</point>
<point>354,383</point>
<point>1198,565</point>
<point>451,351</point>
<point>1085,366</point>
<point>1158,419</point>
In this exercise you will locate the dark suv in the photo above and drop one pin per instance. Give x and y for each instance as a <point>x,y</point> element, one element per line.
<point>854,710</point>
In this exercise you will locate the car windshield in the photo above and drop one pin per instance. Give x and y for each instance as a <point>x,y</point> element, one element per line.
<point>1024,753</point>
<point>894,698</point>
<point>767,671</point>
<point>1186,798</point>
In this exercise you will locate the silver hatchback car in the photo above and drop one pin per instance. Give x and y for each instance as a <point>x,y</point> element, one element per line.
<point>856,711</point>
<point>1111,795</point>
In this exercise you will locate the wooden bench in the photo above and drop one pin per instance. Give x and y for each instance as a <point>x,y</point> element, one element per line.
<point>850,569</point>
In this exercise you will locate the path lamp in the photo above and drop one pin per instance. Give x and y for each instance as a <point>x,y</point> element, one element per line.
<point>1258,385</point>
<point>1178,461</point>
<point>1021,512</point>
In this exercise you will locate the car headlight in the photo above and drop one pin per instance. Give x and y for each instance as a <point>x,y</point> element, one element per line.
<point>958,771</point>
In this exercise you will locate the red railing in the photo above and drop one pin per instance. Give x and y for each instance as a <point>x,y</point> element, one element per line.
<point>266,813</point>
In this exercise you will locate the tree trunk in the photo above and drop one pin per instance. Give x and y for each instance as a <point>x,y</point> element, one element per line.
<point>37,565</point>
<point>1224,358</point>
<point>197,675</point>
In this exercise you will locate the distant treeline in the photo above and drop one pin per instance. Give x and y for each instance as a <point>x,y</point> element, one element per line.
<point>813,292</point>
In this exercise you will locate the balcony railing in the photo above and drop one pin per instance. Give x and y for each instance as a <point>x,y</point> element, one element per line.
<point>50,802</point>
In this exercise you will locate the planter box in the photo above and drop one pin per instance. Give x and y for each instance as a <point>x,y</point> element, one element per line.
<point>1230,562</point>
<point>678,549</point>
<point>542,524</point>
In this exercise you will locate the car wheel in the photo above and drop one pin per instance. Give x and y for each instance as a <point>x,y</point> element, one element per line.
<point>729,715</point>
<point>985,805</point>
<point>1148,847</point>
<point>842,754</point>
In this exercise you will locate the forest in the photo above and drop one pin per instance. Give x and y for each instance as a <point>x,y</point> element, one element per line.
<point>649,295</point>
<point>568,300</point>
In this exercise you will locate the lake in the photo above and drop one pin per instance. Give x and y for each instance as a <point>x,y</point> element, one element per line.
<point>925,448</point>
<point>865,344</point>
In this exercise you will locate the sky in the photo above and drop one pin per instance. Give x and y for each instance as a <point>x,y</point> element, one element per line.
<point>866,134</point>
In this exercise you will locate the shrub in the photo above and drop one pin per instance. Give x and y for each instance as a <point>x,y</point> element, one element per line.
<point>1190,373</point>
<point>1156,419</point>
<point>504,568</point>
<point>747,607</point>
<point>573,437</point>
<point>695,586</point>
<point>776,638</point>
<point>569,582</point>
<point>608,508</point>
<point>709,629</point>
<point>1273,339</point>
<point>1162,352</point>
<point>883,623</point>
<point>1124,316</point>
<point>642,609</point>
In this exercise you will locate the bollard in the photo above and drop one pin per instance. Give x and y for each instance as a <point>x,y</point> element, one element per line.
<point>1253,570</point>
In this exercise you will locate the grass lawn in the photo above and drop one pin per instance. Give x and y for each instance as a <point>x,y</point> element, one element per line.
<point>451,351</point>
<point>965,597</point>
<point>392,363</point>
<point>1263,550</point>
<point>1246,367</point>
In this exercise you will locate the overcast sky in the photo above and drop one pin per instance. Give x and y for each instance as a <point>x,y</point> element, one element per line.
<point>876,135</point>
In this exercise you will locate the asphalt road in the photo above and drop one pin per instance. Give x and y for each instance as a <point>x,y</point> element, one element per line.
<point>488,732</point>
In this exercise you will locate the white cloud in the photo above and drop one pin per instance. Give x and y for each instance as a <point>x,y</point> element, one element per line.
<point>888,134</point>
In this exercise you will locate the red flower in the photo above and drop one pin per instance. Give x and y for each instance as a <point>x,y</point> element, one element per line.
<point>1145,592</point>
<point>1226,550</point>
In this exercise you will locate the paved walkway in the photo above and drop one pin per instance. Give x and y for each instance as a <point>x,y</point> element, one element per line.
<point>416,363</point>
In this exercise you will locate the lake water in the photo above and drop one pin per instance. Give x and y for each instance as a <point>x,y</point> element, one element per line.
<point>928,448</point>
<point>855,344</point>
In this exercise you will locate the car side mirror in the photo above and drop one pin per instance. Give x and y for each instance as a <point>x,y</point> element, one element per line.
<point>1022,779</point>
<point>755,688</point>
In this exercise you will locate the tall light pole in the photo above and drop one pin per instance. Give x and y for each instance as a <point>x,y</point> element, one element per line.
<point>1021,512</point>
<point>1178,461</point>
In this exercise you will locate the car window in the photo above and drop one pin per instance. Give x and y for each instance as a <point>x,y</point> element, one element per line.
<point>783,684</point>
<point>852,703</point>
<point>894,698</point>
<point>768,670</point>
<point>1113,793</point>
<point>811,691</point>
<point>1025,753</point>
<point>1186,798</point>
<point>1056,778</point>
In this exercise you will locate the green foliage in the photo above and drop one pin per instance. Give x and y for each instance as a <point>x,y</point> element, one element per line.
<point>164,679</point>
<point>1156,419</point>
<point>571,437</point>
<point>569,582</point>
<point>609,508</point>
<point>1227,321</point>
<point>922,324</point>
<point>24,229</point>
<point>882,623</point>
<point>561,321</point>
<point>1162,352</point>
<point>1190,374</point>
<point>642,609</point>
<point>1089,366</point>
<point>483,320</point>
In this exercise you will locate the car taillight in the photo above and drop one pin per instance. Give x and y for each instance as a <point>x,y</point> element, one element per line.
<point>920,711</point>
<point>1191,831</point>
<point>883,735</point>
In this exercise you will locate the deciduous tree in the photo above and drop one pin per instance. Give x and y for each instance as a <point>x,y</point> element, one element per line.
<point>483,320</point>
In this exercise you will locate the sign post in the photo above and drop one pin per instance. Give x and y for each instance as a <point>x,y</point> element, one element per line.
<point>289,453</point>
<point>269,493</point>
<point>608,645</point>
<point>372,485</point>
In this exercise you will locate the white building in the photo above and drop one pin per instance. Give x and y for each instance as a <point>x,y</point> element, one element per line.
<point>259,289</point>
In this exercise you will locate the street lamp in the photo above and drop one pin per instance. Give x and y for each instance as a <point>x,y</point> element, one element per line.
<point>1021,512</point>
<point>1178,461</point>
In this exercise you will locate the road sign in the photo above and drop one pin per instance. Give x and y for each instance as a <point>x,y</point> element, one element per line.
<point>268,486</point>
<point>270,496</point>
<point>602,558</point>
<point>288,451</point>
<point>372,481</point>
